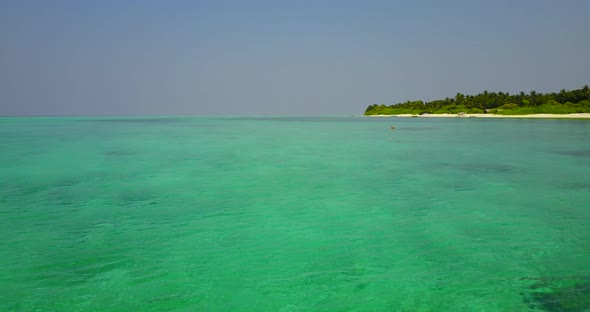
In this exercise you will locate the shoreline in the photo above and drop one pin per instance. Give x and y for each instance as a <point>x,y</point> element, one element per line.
<point>535,116</point>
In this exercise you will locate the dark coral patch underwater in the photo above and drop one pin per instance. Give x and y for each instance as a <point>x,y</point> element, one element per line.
<point>568,294</point>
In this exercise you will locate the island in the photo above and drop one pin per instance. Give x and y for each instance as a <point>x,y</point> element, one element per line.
<point>564,104</point>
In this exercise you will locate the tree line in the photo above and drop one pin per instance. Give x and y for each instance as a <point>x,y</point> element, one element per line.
<point>562,102</point>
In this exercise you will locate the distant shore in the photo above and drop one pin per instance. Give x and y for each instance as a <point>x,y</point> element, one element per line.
<point>545,116</point>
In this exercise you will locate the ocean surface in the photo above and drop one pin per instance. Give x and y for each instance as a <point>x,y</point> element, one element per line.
<point>294,214</point>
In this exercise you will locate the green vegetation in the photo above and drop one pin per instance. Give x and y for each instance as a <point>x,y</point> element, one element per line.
<point>564,102</point>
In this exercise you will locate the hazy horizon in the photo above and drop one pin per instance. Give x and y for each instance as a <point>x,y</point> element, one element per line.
<point>269,58</point>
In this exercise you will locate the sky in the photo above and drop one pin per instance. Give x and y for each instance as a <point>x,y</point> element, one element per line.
<point>268,58</point>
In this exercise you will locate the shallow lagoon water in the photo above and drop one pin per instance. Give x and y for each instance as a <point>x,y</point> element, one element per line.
<point>293,214</point>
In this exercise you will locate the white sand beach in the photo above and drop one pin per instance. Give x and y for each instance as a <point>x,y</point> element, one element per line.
<point>549,116</point>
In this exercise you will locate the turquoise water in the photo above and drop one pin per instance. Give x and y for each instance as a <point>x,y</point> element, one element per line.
<point>292,214</point>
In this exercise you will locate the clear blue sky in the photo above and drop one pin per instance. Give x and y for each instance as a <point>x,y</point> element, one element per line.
<point>280,57</point>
